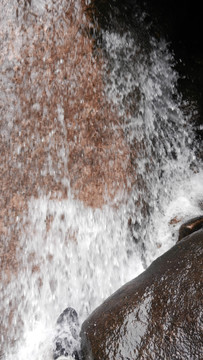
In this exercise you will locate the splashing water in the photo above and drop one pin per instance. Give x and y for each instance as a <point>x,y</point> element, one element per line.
<point>73,255</point>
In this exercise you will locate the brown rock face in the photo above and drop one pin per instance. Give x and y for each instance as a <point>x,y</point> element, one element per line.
<point>158,315</point>
<point>63,127</point>
<point>58,131</point>
<point>57,127</point>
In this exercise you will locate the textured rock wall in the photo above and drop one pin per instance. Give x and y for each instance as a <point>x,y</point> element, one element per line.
<point>58,131</point>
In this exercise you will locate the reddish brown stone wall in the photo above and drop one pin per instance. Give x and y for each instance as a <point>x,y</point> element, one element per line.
<point>61,128</point>
<point>59,106</point>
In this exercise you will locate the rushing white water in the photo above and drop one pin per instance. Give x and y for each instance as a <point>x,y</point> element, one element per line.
<point>72,255</point>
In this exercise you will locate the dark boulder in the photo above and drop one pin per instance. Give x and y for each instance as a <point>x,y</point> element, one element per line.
<point>158,315</point>
<point>190,226</point>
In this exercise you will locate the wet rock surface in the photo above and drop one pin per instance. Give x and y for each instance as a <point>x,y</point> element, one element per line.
<point>158,315</point>
<point>190,226</point>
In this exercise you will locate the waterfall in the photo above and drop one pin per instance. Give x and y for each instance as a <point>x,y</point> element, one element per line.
<point>71,254</point>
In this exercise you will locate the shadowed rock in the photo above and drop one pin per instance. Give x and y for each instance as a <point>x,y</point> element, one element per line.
<point>158,315</point>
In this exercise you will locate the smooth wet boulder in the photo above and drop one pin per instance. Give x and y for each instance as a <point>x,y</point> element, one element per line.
<point>190,226</point>
<point>158,315</point>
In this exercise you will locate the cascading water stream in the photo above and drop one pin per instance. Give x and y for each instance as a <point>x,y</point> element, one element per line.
<point>73,255</point>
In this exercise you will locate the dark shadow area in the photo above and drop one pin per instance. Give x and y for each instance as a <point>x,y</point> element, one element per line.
<point>180,23</point>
